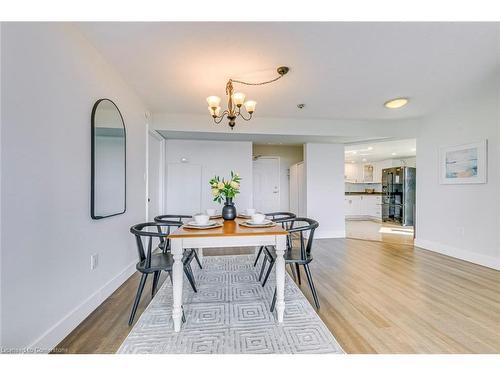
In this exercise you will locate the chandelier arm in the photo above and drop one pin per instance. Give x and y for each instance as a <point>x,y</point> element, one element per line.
<point>245,118</point>
<point>219,119</point>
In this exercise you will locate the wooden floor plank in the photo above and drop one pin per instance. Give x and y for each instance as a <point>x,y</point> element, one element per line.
<point>375,297</point>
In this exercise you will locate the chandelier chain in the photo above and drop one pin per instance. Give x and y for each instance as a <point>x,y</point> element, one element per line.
<point>258,83</point>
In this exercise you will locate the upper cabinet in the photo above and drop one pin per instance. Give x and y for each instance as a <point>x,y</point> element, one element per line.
<point>371,172</point>
<point>360,173</point>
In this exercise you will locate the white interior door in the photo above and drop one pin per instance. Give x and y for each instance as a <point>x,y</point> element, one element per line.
<point>155,176</point>
<point>266,184</point>
<point>183,188</point>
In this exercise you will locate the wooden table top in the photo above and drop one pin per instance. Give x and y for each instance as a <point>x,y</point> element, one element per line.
<point>229,228</point>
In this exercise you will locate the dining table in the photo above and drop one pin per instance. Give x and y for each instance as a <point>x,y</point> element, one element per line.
<point>229,233</point>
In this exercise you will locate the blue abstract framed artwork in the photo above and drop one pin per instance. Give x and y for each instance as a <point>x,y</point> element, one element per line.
<point>463,164</point>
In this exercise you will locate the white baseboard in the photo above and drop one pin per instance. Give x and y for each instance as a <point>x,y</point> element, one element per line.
<point>318,234</point>
<point>55,334</point>
<point>482,260</point>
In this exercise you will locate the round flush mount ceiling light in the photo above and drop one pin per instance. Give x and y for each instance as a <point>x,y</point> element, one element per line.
<point>396,103</point>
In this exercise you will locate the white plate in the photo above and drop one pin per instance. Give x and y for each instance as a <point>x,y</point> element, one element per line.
<point>265,222</point>
<point>210,223</point>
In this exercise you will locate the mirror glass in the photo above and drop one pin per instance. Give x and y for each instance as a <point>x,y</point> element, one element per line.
<point>108,160</point>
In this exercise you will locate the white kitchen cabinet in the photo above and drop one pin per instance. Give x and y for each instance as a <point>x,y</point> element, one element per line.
<point>363,206</point>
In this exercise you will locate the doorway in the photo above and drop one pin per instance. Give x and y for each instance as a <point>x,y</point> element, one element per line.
<point>155,175</point>
<point>380,186</point>
<point>266,183</point>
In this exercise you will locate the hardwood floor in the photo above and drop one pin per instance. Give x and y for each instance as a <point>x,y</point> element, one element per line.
<point>375,297</point>
<point>378,231</point>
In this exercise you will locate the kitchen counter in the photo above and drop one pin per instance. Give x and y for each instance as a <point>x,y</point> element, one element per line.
<point>362,193</point>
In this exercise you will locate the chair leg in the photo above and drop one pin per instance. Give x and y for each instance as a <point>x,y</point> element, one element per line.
<point>298,272</point>
<point>292,269</point>
<point>271,264</point>
<point>263,267</point>
<point>273,303</point>
<point>170,276</point>
<point>189,273</point>
<point>258,256</point>
<point>156,277</point>
<point>311,285</point>
<point>197,259</point>
<point>137,298</point>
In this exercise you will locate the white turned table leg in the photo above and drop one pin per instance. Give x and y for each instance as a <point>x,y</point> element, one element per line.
<point>280,277</point>
<point>177,279</point>
<point>200,255</point>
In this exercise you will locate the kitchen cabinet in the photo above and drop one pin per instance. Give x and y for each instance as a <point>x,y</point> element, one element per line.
<point>363,206</point>
<point>355,173</point>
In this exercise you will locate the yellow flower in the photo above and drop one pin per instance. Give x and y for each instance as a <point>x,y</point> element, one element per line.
<point>234,184</point>
<point>215,192</point>
<point>220,185</point>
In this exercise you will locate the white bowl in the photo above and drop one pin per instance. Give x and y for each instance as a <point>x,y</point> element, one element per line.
<point>258,218</point>
<point>211,211</point>
<point>250,211</point>
<point>201,219</point>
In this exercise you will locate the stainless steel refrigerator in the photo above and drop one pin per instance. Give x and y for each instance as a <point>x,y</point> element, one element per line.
<point>398,195</point>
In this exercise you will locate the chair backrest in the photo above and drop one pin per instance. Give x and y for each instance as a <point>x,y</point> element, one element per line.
<point>304,228</point>
<point>284,219</point>
<point>170,221</point>
<point>148,232</point>
<point>278,217</point>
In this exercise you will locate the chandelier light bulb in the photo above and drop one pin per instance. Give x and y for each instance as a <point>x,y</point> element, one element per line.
<point>238,98</point>
<point>250,105</point>
<point>213,101</point>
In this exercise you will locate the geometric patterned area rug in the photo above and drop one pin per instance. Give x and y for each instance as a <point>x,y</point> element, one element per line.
<point>230,314</point>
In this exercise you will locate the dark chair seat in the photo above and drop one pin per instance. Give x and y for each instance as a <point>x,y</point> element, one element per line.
<point>159,262</point>
<point>293,255</point>
<point>154,261</point>
<point>298,252</point>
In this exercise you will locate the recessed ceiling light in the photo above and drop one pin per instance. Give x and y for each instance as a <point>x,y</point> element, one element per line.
<point>370,148</point>
<point>352,161</point>
<point>393,154</point>
<point>413,149</point>
<point>396,103</point>
<point>354,152</point>
<point>364,159</point>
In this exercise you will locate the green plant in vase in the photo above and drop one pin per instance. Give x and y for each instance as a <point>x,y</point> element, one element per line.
<point>223,189</point>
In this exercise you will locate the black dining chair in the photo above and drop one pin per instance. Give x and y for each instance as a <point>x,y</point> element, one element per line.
<point>151,261</point>
<point>174,221</point>
<point>277,217</point>
<point>301,232</point>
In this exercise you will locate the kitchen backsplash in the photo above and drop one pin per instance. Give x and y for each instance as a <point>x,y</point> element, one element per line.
<point>360,188</point>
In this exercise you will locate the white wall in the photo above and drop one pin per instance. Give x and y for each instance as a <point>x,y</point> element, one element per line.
<point>215,158</point>
<point>461,220</point>
<point>51,78</point>
<point>288,155</point>
<point>325,188</point>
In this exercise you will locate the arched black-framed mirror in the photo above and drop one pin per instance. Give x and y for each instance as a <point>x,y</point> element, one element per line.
<point>108,180</point>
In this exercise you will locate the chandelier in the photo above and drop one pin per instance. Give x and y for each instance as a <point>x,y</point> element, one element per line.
<point>235,100</point>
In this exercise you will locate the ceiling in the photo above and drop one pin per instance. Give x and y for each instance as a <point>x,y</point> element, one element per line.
<point>260,139</point>
<point>375,151</point>
<point>338,70</point>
